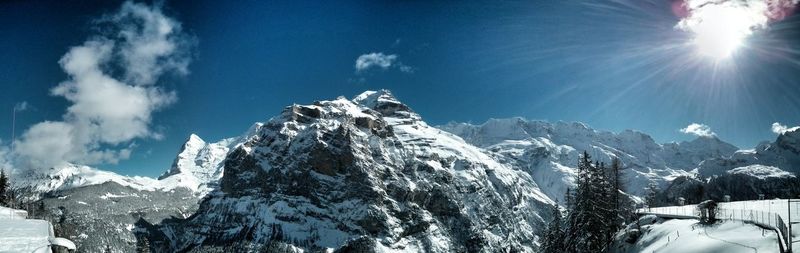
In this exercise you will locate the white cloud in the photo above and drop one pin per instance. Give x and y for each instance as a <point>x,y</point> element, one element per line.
<point>5,164</point>
<point>778,128</point>
<point>111,88</point>
<point>698,130</point>
<point>380,60</point>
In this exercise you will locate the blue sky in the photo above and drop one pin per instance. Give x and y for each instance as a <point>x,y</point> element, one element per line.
<point>613,66</point>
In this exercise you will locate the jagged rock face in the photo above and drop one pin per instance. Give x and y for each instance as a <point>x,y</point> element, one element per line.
<point>366,174</point>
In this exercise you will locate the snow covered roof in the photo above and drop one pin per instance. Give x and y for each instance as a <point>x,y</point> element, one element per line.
<point>18,234</point>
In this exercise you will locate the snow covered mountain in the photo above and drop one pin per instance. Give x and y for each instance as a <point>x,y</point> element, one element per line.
<point>783,154</point>
<point>549,151</point>
<point>199,165</point>
<point>364,174</point>
<point>98,209</point>
<point>32,184</point>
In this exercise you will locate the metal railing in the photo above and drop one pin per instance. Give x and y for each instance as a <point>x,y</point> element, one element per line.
<point>765,219</point>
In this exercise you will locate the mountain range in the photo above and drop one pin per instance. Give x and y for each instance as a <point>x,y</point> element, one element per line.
<point>370,174</point>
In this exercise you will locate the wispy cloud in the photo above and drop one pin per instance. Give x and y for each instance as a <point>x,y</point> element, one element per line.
<point>701,130</point>
<point>112,89</point>
<point>21,106</point>
<point>779,128</point>
<point>380,60</point>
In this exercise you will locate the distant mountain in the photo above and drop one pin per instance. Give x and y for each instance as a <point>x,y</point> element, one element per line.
<point>98,209</point>
<point>549,151</point>
<point>706,166</point>
<point>199,165</point>
<point>32,184</point>
<point>362,175</point>
<point>782,154</point>
<point>687,155</point>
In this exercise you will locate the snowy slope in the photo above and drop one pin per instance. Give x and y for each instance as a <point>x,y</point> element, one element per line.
<point>761,172</point>
<point>759,211</point>
<point>34,183</point>
<point>550,151</point>
<point>687,236</point>
<point>363,174</point>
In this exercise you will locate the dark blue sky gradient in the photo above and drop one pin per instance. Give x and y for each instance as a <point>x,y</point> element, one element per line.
<point>611,66</point>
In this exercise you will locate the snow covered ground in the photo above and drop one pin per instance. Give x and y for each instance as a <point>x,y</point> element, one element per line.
<point>688,236</point>
<point>762,211</point>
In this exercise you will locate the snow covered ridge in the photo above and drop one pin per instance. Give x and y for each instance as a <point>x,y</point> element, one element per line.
<point>72,176</point>
<point>762,172</point>
<point>363,174</point>
<point>783,154</point>
<point>550,151</point>
<point>197,167</point>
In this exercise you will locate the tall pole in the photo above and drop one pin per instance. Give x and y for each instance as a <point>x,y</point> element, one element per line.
<point>13,126</point>
<point>789,209</point>
<point>13,135</point>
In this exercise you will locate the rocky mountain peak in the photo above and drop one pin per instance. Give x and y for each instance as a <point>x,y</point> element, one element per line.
<point>385,103</point>
<point>190,148</point>
<point>790,141</point>
<point>335,172</point>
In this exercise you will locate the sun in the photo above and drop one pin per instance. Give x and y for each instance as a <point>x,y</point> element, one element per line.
<point>717,39</point>
<point>721,30</point>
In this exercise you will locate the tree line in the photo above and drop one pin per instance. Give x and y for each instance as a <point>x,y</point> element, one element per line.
<point>593,212</point>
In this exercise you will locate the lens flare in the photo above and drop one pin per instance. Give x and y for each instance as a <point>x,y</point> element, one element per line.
<point>721,27</point>
<point>721,32</point>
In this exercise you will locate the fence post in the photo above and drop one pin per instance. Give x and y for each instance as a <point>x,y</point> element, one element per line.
<point>789,212</point>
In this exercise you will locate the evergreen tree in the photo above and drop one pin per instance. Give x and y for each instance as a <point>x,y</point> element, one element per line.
<point>4,189</point>
<point>620,205</point>
<point>587,222</point>
<point>553,240</point>
<point>569,199</point>
<point>108,249</point>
